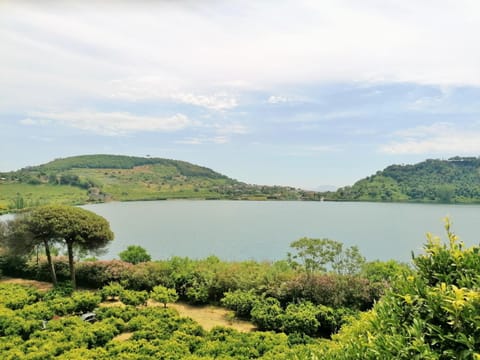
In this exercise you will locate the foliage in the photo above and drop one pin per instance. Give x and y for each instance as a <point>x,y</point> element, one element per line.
<point>388,271</point>
<point>334,290</point>
<point>240,301</point>
<point>135,254</point>
<point>111,291</point>
<point>85,301</point>
<point>431,314</point>
<point>98,178</point>
<point>73,225</point>
<point>349,261</point>
<point>163,295</point>
<point>16,296</point>
<point>317,255</point>
<point>455,180</point>
<point>62,289</point>
<point>266,314</point>
<point>300,318</point>
<point>134,298</point>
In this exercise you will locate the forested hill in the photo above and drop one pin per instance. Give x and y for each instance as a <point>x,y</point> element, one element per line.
<point>124,162</point>
<point>98,178</point>
<point>456,180</point>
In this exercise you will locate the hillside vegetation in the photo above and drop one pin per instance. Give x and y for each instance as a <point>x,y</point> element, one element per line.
<point>456,180</point>
<point>98,178</point>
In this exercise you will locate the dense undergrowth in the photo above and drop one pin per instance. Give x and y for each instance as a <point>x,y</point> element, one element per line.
<point>432,312</point>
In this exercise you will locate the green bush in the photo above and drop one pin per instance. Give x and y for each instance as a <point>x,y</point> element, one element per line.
<point>134,298</point>
<point>85,301</point>
<point>163,295</point>
<point>431,314</point>
<point>14,296</point>
<point>63,289</point>
<point>111,291</point>
<point>242,302</point>
<point>266,314</point>
<point>301,319</point>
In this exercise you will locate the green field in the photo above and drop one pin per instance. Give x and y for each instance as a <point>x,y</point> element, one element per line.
<point>31,195</point>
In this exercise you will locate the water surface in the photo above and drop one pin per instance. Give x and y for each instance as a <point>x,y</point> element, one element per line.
<point>241,230</point>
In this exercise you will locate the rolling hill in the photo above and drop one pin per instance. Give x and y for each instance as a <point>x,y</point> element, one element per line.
<point>99,178</point>
<point>456,180</point>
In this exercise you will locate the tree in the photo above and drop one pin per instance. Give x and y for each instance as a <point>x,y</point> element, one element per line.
<point>135,254</point>
<point>163,295</point>
<point>349,262</point>
<point>315,254</point>
<point>19,240</point>
<point>73,225</point>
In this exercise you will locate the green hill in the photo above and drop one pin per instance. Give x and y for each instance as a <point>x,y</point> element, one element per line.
<point>456,180</point>
<point>98,178</point>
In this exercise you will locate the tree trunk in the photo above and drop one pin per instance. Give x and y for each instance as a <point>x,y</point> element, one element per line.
<point>71,264</point>
<point>50,262</point>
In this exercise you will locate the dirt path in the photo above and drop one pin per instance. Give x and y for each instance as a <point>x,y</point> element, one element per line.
<point>209,316</point>
<point>40,285</point>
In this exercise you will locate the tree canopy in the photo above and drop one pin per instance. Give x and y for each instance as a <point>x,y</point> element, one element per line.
<point>456,180</point>
<point>72,225</point>
<point>135,254</point>
<point>320,255</point>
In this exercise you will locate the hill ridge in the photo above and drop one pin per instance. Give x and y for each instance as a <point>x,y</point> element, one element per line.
<point>453,180</point>
<point>103,177</point>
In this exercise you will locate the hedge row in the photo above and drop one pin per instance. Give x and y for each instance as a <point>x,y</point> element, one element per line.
<point>206,281</point>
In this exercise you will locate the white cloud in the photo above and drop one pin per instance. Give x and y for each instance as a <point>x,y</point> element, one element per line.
<point>29,121</point>
<point>432,103</point>
<point>218,101</point>
<point>274,99</point>
<point>231,128</point>
<point>112,123</point>
<point>204,140</point>
<point>55,53</point>
<point>438,138</point>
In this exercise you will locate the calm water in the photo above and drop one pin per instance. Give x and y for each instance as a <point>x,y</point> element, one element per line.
<point>239,230</point>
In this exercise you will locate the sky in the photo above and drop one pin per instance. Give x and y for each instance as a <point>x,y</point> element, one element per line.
<point>301,93</point>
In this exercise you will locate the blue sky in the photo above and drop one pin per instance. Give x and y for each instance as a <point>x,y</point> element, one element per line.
<point>301,93</point>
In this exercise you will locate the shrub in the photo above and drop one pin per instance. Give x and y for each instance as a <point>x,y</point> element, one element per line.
<point>85,301</point>
<point>63,289</point>
<point>242,302</point>
<point>301,318</point>
<point>111,291</point>
<point>266,314</point>
<point>99,273</point>
<point>134,298</point>
<point>16,296</point>
<point>163,295</point>
<point>431,314</point>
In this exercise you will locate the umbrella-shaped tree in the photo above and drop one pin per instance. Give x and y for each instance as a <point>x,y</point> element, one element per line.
<point>73,225</point>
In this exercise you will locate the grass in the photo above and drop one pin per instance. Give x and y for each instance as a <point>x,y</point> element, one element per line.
<point>39,194</point>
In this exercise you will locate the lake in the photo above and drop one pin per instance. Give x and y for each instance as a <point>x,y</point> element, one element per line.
<point>242,230</point>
